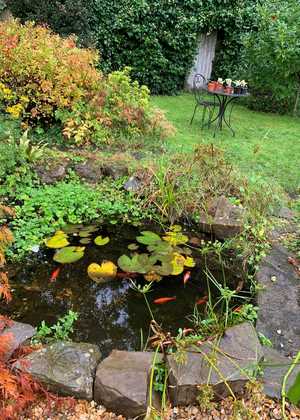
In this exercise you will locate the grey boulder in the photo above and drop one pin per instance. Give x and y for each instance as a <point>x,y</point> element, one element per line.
<point>122,382</point>
<point>64,367</point>
<point>225,363</point>
<point>275,366</point>
<point>222,219</point>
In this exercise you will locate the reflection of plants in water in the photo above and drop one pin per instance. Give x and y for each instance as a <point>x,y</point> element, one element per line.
<point>59,331</point>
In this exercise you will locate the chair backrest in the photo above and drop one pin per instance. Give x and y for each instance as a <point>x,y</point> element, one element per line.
<point>199,86</point>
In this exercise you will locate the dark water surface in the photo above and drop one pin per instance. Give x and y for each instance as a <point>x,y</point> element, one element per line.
<point>111,315</point>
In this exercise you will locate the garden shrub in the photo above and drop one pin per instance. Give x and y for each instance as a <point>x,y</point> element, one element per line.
<point>272,56</point>
<point>46,79</point>
<point>41,72</point>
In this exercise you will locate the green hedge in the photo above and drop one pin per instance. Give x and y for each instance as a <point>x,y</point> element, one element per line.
<point>157,38</point>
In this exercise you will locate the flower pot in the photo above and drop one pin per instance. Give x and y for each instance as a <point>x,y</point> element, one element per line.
<point>219,87</point>
<point>237,90</point>
<point>229,90</point>
<point>211,87</point>
<point>244,90</point>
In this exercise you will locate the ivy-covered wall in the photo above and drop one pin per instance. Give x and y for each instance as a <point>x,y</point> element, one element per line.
<point>157,38</point>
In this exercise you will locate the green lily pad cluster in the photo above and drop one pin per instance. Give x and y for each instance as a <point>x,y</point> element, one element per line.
<point>66,254</point>
<point>166,256</point>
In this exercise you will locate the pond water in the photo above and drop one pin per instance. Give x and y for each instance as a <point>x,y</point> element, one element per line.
<point>112,315</point>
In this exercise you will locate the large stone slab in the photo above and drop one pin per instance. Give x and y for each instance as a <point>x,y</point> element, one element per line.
<point>122,382</point>
<point>222,219</point>
<point>275,366</point>
<point>65,368</point>
<point>235,355</point>
<point>18,333</point>
<point>279,301</point>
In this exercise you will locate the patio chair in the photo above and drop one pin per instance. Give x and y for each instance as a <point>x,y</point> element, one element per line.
<point>199,88</point>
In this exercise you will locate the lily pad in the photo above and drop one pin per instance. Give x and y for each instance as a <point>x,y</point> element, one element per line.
<point>178,264</point>
<point>139,263</point>
<point>175,238</point>
<point>69,254</point>
<point>102,273</point>
<point>189,262</point>
<point>59,240</point>
<point>100,241</point>
<point>148,238</point>
<point>152,276</point>
<point>85,241</point>
<point>133,247</point>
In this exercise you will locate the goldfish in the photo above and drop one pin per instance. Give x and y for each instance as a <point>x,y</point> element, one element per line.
<point>238,309</point>
<point>186,277</point>
<point>163,300</point>
<point>55,274</point>
<point>201,301</point>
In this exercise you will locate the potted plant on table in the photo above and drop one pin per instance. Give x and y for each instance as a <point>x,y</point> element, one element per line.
<point>220,85</point>
<point>244,87</point>
<point>211,86</point>
<point>237,87</point>
<point>228,87</point>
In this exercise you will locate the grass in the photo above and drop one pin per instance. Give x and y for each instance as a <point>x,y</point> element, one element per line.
<point>265,145</point>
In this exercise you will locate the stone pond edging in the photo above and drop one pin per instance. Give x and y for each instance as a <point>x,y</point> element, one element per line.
<point>120,381</point>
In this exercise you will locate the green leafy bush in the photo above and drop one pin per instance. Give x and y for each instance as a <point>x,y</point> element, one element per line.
<point>63,16</point>
<point>272,56</point>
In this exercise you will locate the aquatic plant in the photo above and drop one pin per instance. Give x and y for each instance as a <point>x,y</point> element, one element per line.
<point>69,254</point>
<point>164,257</point>
<point>102,273</point>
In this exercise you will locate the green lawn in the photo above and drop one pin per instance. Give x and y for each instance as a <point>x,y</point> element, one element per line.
<point>265,144</point>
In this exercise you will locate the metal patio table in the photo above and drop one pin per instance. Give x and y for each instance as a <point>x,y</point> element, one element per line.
<point>224,99</point>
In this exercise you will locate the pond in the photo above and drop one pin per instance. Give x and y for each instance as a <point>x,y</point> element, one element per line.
<point>112,314</point>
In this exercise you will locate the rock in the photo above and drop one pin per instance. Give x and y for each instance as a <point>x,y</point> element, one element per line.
<point>239,349</point>
<point>115,170</point>
<point>223,219</point>
<point>122,382</point>
<point>286,213</point>
<point>19,334</point>
<point>90,171</point>
<point>275,366</point>
<point>279,301</point>
<point>133,184</point>
<point>65,368</point>
<point>52,172</point>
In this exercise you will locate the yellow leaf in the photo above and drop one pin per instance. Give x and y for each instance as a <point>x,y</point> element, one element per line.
<point>189,262</point>
<point>101,273</point>
<point>59,240</point>
<point>177,264</point>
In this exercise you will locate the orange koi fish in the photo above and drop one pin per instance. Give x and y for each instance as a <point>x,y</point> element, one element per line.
<point>201,301</point>
<point>161,301</point>
<point>238,309</point>
<point>186,277</point>
<point>55,274</point>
